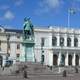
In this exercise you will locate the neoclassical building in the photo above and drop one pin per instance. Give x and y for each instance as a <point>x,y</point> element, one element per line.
<point>60,46</point>
<point>54,46</point>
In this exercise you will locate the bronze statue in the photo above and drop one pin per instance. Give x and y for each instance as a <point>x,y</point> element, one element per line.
<point>28,28</point>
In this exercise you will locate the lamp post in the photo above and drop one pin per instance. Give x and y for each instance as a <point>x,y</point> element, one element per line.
<point>61,63</point>
<point>8,37</point>
<point>70,11</point>
<point>42,56</point>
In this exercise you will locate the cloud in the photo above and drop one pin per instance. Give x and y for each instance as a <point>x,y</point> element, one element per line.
<point>52,3</point>
<point>48,5</point>
<point>18,2</point>
<point>4,7</point>
<point>8,15</point>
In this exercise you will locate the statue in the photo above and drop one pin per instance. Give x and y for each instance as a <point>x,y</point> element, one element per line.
<point>28,28</point>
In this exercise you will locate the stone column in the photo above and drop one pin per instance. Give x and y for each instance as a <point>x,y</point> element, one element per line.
<point>58,40</point>
<point>65,40</point>
<point>79,41</point>
<point>50,58</point>
<point>4,60</point>
<point>79,60</point>
<point>59,58</point>
<point>72,41</point>
<point>73,60</point>
<point>13,49</point>
<point>66,59</point>
<point>50,40</point>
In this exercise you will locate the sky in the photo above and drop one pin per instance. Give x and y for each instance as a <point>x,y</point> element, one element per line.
<point>43,13</point>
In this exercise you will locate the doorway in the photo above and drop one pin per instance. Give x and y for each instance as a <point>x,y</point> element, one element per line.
<point>55,59</point>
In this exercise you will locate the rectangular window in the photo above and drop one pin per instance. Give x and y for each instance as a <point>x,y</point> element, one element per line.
<point>18,46</point>
<point>42,41</point>
<point>8,45</point>
<point>54,41</point>
<point>18,36</point>
<point>0,45</point>
<point>17,55</point>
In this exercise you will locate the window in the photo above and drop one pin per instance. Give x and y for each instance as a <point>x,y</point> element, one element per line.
<point>18,36</point>
<point>17,55</point>
<point>42,42</point>
<point>61,41</point>
<point>68,42</point>
<point>18,46</point>
<point>0,45</point>
<point>8,45</point>
<point>54,41</point>
<point>75,42</point>
<point>0,42</point>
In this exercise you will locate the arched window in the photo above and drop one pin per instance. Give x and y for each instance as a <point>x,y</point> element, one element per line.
<point>61,41</point>
<point>77,60</point>
<point>54,41</point>
<point>68,42</point>
<point>75,42</point>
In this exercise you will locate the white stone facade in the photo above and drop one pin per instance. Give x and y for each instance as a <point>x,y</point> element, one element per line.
<point>54,49</point>
<point>60,45</point>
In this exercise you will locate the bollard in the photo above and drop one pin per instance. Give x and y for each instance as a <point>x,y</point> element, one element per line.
<point>64,73</point>
<point>76,70</point>
<point>50,67</point>
<point>25,74</point>
<point>3,68</point>
<point>17,71</point>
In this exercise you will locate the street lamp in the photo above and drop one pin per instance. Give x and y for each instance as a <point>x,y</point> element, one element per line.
<point>61,61</point>
<point>42,56</point>
<point>70,11</point>
<point>8,37</point>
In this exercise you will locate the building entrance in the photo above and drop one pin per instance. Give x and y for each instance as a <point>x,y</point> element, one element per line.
<point>77,60</point>
<point>70,60</point>
<point>55,59</point>
<point>1,59</point>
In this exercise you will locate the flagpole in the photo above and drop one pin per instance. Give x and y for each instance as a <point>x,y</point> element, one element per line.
<point>68,18</point>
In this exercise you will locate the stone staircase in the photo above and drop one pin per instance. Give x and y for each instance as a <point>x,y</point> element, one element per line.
<point>33,68</point>
<point>36,68</point>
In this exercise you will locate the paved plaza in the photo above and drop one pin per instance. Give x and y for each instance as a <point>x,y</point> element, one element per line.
<point>38,72</point>
<point>42,77</point>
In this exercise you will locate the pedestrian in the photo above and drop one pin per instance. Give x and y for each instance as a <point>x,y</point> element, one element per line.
<point>25,74</point>
<point>3,68</point>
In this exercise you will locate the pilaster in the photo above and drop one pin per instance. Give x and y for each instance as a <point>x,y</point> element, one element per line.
<point>73,59</point>
<point>59,58</point>
<point>66,59</point>
<point>58,40</point>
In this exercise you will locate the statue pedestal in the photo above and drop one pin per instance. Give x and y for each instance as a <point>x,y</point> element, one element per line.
<point>27,52</point>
